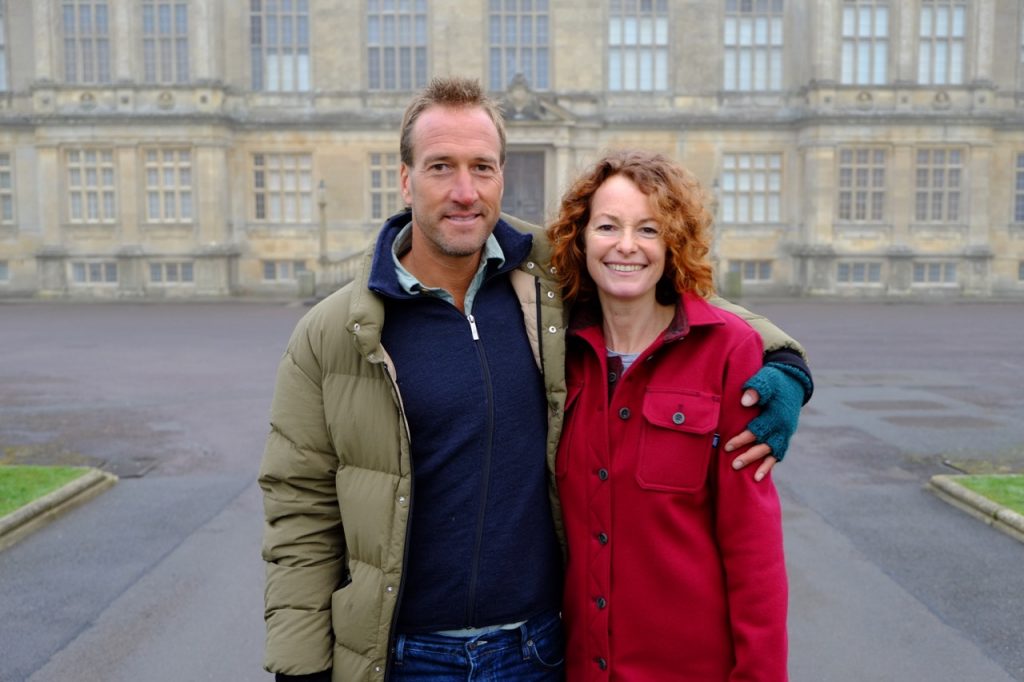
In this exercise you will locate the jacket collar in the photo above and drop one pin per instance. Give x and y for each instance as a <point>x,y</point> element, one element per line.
<point>691,311</point>
<point>375,274</point>
<point>384,280</point>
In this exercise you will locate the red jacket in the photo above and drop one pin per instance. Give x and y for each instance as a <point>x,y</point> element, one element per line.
<point>676,568</point>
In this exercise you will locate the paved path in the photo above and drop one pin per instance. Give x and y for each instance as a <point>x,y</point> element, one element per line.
<point>159,578</point>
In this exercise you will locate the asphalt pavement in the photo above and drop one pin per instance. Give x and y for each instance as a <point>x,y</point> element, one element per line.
<point>159,578</point>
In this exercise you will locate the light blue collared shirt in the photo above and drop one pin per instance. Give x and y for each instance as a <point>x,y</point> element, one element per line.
<point>411,285</point>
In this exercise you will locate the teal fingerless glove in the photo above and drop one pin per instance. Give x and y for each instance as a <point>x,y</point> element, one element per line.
<point>781,389</point>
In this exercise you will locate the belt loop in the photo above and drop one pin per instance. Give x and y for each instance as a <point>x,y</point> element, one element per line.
<point>399,649</point>
<point>525,641</point>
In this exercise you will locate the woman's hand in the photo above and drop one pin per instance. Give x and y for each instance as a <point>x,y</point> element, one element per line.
<point>781,395</point>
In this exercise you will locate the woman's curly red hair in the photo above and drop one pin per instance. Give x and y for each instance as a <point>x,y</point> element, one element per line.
<point>679,203</point>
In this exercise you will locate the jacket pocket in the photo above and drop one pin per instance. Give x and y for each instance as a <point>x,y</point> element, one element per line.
<point>676,443</point>
<point>572,394</point>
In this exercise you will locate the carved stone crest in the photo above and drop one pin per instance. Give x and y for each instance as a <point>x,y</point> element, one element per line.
<point>520,101</point>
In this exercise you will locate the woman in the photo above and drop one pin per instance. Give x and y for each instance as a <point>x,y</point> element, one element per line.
<point>676,567</point>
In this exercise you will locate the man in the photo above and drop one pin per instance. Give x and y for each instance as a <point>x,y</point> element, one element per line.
<point>412,526</point>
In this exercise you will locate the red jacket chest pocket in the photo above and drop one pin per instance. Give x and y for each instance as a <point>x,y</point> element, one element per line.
<point>676,445</point>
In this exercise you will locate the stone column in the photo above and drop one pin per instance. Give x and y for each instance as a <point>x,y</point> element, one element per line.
<point>983,43</point>
<point>212,191</point>
<point>900,187</point>
<point>816,215</point>
<point>51,200</point>
<point>51,209</point>
<point>127,179</point>
<point>123,40</point>
<point>46,21</point>
<point>202,22</point>
<point>904,16</point>
<point>817,192</point>
<point>977,192</point>
<point>826,28</point>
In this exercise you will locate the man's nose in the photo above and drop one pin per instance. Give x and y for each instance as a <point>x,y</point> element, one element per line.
<point>464,187</point>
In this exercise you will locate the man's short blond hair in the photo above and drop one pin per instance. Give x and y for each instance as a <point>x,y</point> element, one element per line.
<point>453,92</point>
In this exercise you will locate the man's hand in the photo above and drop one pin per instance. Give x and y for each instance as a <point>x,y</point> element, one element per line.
<point>760,451</point>
<point>780,390</point>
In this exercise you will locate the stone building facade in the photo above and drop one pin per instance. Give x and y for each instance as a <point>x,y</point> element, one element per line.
<point>203,148</point>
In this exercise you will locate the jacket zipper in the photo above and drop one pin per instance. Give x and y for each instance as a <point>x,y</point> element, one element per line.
<point>405,551</point>
<point>540,330</point>
<point>485,474</point>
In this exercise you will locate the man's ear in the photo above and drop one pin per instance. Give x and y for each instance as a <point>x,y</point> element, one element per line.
<point>404,182</point>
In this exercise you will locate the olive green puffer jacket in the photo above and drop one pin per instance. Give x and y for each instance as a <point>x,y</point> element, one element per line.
<point>336,474</point>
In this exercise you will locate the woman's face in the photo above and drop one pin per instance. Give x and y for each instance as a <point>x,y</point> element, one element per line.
<point>623,243</point>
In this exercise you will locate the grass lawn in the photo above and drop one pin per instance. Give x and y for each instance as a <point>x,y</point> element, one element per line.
<point>1006,489</point>
<point>19,485</point>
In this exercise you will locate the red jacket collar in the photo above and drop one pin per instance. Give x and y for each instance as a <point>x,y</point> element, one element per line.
<point>691,311</point>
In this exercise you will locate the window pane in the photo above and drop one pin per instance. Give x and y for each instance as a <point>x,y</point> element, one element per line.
<point>636,61</point>
<point>279,43</point>
<point>396,40</point>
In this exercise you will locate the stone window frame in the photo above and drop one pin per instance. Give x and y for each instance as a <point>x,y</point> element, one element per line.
<point>639,57</point>
<point>942,42</point>
<point>172,272</point>
<point>385,185</point>
<point>397,38</point>
<point>281,181</point>
<point>7,216</point>
<point>1018,190</point>
<point>939,185</point>
<point>93,272</point>
<point>519,42</point>
<point>283,269</point>
<point>753,46</point>
<point>754,271</point>
<point>864,45</point>
<point>861,189</point>
<point>87,34</point>
<point>859,273</point>
<point>280,46</point>
<point>169,182</point>
<point>935,273</point>
<point>165,44</point>
<point>749,181</point>
<point>91,175</point>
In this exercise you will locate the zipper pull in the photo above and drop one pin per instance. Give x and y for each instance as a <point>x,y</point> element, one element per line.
<point>472,327</point>
<point>714,441</point>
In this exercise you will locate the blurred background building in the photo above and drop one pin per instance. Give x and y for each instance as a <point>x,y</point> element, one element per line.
<point>198,148</point>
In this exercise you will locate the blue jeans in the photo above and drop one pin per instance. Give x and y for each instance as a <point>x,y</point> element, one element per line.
<point>534,652</point>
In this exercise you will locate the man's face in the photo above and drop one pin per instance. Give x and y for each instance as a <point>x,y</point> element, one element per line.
<point>455,183</point>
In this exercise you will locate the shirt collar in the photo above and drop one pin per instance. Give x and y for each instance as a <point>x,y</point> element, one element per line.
<point>411,285</point>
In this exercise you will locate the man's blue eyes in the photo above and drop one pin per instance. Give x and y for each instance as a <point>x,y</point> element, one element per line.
<point>483,168</point>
